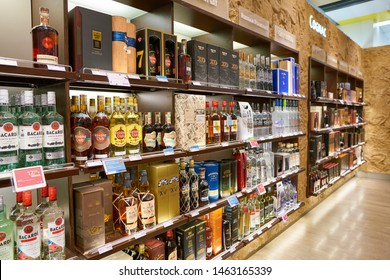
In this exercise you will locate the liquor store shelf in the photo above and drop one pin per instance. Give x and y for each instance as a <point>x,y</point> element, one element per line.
<point>336,155</point>
<point>5,177</point>
<point>330,129</point>
<point>248,239</point>
<point>337,101</point>
<point>334,180</point>
<point>119,242</point>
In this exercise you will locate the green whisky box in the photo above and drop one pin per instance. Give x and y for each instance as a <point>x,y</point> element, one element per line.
<point>200,239</point>
<point>186,242</point>
<point>224,66</point>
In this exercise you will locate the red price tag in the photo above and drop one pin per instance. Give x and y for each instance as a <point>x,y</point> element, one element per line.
<point>28,178</point>
<point>253,143</point>
<point>260,189</point>
<point>285,218</point>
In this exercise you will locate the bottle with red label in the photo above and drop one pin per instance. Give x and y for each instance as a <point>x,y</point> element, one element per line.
<point>81,131</point>
<point>9,140</point>
<point>101,132</point>
<point>30,133</point>
<point>149,134</point>
<point>216,121</point>
<point>53,233</point>
<point>6,234</point>
<point>27,233</point>
<point>152,61</point>
<point>117,131</point>
<point>133,128</point>
<point>53,133</point>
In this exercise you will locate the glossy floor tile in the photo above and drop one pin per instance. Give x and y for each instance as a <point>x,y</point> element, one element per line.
<point>353,223</point>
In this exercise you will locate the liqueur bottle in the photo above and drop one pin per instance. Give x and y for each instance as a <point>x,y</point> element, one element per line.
<point>234,123</point>
<point>92,107</point>
<point>9,140</point>
<point>184,184</point>
<point>53,237</point>
<point>194,186</point>
<point>53,133</point>
<point>168,133</point>
<point>117,131</point>
<point>28,237</point>
<point>6,234</point>
<point>101,132</point>
<point>30,134</point>
<point>203,188</point>
<point>158,128</point>
<point>81,128</point>
<point>216,120</point>
<point>225,128</point>
<point>149,134</point>
<point>184,61</point>
<point>170,247</point>
<point>45,40</point>
<point>133,129</point>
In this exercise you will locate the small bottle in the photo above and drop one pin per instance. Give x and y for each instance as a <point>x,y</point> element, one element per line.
<point>45,40</point>
<point>6,234</point>
<point>194,186</point>
<point>149,134</point>
<point>117,131</point>
<point>168,133</point>
<point>216,121</point>
<point>170,247</point>
<point>92,107</point>
<point>184,61</point>
<point>184,189</point>
<point>53,238</point>
<point>158,128</point>
<point>101,132</point>
<point>28,237</point>
<point>203,188</point>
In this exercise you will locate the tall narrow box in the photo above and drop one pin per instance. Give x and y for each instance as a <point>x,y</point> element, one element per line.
<point>155,249</point>
<point>89,39</point>
<point>186,242</point>
<point>149,54</point>
<point>106,185</point>
<point>315,148</point>
<point>212,65</point>
<point>280,81</point>
<point>198,52</point>
<point>232,217</point>
<point>200,239</point>
<point>224,66</point>
<point>215,223</point>
<point>234,69</point>
<point>169,56</point>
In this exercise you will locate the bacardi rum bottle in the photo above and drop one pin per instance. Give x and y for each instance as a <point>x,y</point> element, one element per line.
<point>6,234</point>
<point>117,131</point>
<point>30,134</point>
<point>53,133</point>
<point>45,40</point>
<point>28,236</point>
<point>53,237</point>
<point>101,132</point>
<point>9,140</point>
<point>133,129</point>
<point>42,207</point>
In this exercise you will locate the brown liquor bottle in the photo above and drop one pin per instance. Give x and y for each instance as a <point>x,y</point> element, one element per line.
<point>168,64</point>
<point>184,61</point>
<point>168,133</point>
<point>216,120</point>
<point>225,129</point>
<point>233,125</point>
<point>128,213</point>
<point>158,128</point>
<point>170,247</point>
<point>74,109</point>
<point>152,61</point>
<point>209,125</point>
<point>209,238</point>
<point>82,133</point>
<point>149,134</point>
<point>101,132</point>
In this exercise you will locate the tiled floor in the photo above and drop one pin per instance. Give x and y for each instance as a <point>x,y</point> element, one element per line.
<point>353,223</point>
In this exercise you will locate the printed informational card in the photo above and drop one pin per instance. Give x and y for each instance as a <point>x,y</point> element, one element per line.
<point>28,178</point>
<point>114,166</point>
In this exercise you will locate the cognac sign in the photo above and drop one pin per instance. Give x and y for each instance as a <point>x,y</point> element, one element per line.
<point>317,26</point>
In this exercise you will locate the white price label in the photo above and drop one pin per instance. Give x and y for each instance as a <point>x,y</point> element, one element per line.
<point>268,91</point>
<point>162,79</point>
<point>196,83</point>
<point>232,250</point>
<point>134,76</point>
<point>249,89</point>
<point>250,238</point>
<point>194,213</point>
<point>99,72</point>
<point>225,144</point>
<point>93,163</point>
<point>168,151</point>
<point>135,157</point>
<point>194,148</point>
<point>212,205</point>
<point>118,79</point>
<point>139,234</point>
<point>105,248</point>
<point>56,67</point>
<point>8,62</point>
<point>168,224</point>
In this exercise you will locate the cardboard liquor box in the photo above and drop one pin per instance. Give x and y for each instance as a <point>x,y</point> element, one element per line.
<point>315,148</point>
<point>108,215</point>
<point>224,66</point>
<point>90,39</point>
<point>245,121</point>
<point>215,223</point>
<point>169,55</point>
<point>198,52</point>
<point>149,51</point>
<point>337,136</point>
<point>212,60</point>
<point>186,242</point>
<point>89,217</point>
<point>200,239</point>
<point>232,216</point>
<point>234,69</point>
<point>155,249</point>
<point>329,143</point>
<point>280,81</point>
<point>190,120</point>
<point>288,65</point>
<point>164,184</point>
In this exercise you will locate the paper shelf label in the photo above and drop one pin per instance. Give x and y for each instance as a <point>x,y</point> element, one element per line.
<point>134,76</point>
<point>113,166</point>
<point>194,148</point>
<point>118,79</point>
<point>225,144</point>
<point>99,72</point>
<point>232,200</point>
<point>196,83</point>
<point>168,224</point>
<point>260,189</point>
<point>56,67</point>
<point>253,143</point>
<point>212,205</point>
<point>168,151</point>
<point>105,248</point>
<point>28,178</point>
<point>8,62</point>
<point>285,218</point>
<point>194,213</point>
<point>135,157</point>
<point>162,79</point>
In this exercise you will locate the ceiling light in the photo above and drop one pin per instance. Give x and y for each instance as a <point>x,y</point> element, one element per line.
<point>382,23</point>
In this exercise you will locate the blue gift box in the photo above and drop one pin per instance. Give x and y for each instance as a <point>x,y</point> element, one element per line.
<point>280,81</point>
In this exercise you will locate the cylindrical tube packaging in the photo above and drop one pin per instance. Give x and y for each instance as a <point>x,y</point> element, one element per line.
<point>131,49</point>
<point>225,177</point>
<point>212,177</point>
<point>119,45</point>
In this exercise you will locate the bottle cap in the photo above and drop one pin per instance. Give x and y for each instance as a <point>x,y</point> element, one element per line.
<point>52,193</point>
<point>192,163</point>
<point>231,104</point>
<point>182,165</point>
<point>45,191</point>
<point>215,103</point>
<point>27,198</point>
<point>207,104</point>
<point>169,233</point>
<point>19,197</point>
<point>224,104</point>
<point>44,11</point>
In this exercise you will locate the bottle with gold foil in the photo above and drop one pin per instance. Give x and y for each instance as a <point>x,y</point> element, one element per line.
<point>133,129</point>
<point>117,131</point>
<point>82,133</point>
<point>101,132</point>
<point>149,134</point>
<point>108,106</point>
<point>92,107</point>
<point>184,183</point>
<point>122,108</point>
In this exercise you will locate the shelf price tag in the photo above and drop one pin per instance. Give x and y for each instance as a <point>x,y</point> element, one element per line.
<point>92,163</point>
<point>134,76</point>
<point>194,148</point>
<point>250,238</point>
<point>233,201</point>
<point>253,143</point>
<point>212,205</point>
<point>168,224</point>
<point>55,67</point>
<point>28,178</point>
<point>196,83</point>
<point>342,101</point>
<point>105,248</point>
<point>118,79</point>
<point>162,79</point>
<point>8,62</point>
<point>260,189</point>
<point>225,144</point>
<point>168,151</point>
<point>285,218</point>
<point>99,72</point>
<point>135,157</point>
<point>113,166</point>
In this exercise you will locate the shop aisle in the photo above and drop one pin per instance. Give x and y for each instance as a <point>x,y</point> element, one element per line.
<point>353,224</point>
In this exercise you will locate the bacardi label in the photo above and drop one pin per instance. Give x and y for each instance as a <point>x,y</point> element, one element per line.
<point>134,134</point>
<point>150,140</point>
<point>56,235</point>
<point>53,135</point>
<point>55,155</point>
<point>9,139</point>
<point>6,246</point>
<point>30,136</point>
<point>101,138</point>
<point>28,242</point>
<point>170,139</point>
<point>118,135</point>
<point>82,139</point>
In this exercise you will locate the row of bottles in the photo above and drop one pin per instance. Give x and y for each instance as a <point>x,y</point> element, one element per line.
<point>30,135</point>
<point>293,150</point>
<point>116,133</point>
<point>255,72</point>
<point>33,234</point>
<point>262,120</point>
<point>285,117</point>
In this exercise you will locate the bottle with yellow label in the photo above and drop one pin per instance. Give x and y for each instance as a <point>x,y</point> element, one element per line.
<point>117,131</point>
<point>133,128</point>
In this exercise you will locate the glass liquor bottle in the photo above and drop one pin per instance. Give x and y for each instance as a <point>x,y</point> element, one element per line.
<point>122,107</point>
<point>216,120</point>
<point>247,71</point>
<point>225,128</point>
<point>28,237</point>
<point>133,129</point>
<point>42,207</point>
<point>117,131</point>
<point>92,107</point>
<point>184,184</point>
<point>194,186</point>
<point>81,128</point>
<point>74,110</point>
<point>53,133</point>
<point>146,208</point>
<point>37,105</point>
<point>203,188</point>
<point>158,128</point>
<point>43,105</point>
<point>234,124</point>
<point>252,75</point>
<point>53,237</point>
<point>226,232</point>
<point>184,62</point>
<point>168,133</point>
<point>108,106</point>
<point>6,234</point>
<point>152,61</point>
<point>30,133</point>
<point>209,125</point>
<point>149,134</point>
<point>128,212</point>
<point>241,70</point>
<point>14,213</point>
<point>167,64</point>
<point>270,205</point>
<point>101,132</point>
<point>116,194</point>
<point>252,214</point>
<point>257,211</point>
<point>144,183</point>
<point>45,40</point>
<point>141,253</point>
<point>262,209</point>
<point>209,238</point>
<point>9,139</point>
<point>170,247</point>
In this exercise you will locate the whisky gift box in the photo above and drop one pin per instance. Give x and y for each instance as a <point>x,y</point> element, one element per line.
<point>89,217</point>
<point>224,66</point>
<point>329,139</point>
<point>234,76</point>
<point>200,239</point>
<point>225,178</point>
<point>315,148</point>
<point>106,185</point>
<point>190,120</point>
<point>186,242</point>
<point>215,223</point>
<point>198,52</point>
<point>232,217</point>
<point>164,183</point>
<point>212,65</point>
<point>169,55</point>
<point>149,46</point>
<point>89,39</point>
<point>280,81</point>
<point>155,249</point>
<point>212,177</point>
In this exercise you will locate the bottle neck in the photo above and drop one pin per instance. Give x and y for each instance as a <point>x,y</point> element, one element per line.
<point>4,108</point>
<point>28,108</point>
<point>44,20</point>
<point>50,108</point>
